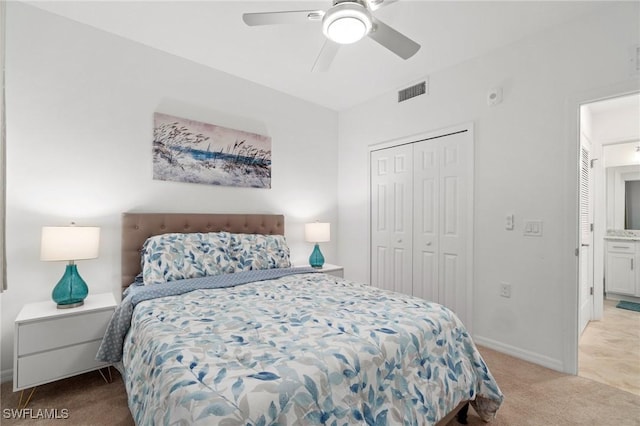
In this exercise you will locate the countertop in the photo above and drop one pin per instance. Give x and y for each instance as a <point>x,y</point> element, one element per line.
<point>614,237</point>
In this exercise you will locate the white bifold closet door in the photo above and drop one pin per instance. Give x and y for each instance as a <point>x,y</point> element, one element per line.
<point>419,220</point>
<point>392,214</point>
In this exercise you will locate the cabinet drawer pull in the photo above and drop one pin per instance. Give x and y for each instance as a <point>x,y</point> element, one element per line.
<point>632,264</point>
<point>622,247</point>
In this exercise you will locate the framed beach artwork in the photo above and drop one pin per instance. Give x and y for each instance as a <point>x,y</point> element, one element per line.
<point>191,151</point>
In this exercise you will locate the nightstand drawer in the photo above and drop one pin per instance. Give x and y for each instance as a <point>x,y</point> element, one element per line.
<point>38,336</point>
<point>48,366</point>
<point>336,273</point>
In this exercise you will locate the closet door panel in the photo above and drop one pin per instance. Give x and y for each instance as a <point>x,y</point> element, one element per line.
<point>451,213</point>
<point>453,225</point>
<point>402,277</point>
<point>379,268</point>
<point>391,221</point>
<point>425,284</point>
<point>425,249</point>
<point>380,181</point>
<point>426,215</point>
<point>381,207</point>
<point>401,237</point>
<point>449,281</point>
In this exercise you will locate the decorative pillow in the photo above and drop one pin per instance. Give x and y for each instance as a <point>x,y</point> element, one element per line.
<point>171,257</point>
<point>258,251</point>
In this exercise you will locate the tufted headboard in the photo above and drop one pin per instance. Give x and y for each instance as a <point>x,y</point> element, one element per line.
<point>137,227</point>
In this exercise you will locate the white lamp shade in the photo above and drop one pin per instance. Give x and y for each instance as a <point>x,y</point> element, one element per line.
<point>317,232</point>
<point>69,243</point>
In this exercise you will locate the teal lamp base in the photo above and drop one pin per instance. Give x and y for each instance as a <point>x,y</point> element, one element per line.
<point>71,290</point>
<point>316,260</point>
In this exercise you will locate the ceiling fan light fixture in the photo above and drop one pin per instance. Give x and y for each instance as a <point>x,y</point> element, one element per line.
<point>346,22</point>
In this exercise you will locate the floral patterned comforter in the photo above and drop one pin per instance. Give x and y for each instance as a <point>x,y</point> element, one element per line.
<point>301,350</point>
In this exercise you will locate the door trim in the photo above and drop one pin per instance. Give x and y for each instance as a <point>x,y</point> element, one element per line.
<point>586,247</point>
<point>571,211</point>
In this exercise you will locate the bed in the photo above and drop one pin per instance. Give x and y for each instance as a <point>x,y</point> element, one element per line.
<point>258,342</point>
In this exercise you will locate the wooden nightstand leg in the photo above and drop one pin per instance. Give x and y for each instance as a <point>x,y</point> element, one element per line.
<point>110,380</point>
<point>20,405</point>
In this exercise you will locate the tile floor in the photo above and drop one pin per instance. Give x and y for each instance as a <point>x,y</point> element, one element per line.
<point>609,350</point>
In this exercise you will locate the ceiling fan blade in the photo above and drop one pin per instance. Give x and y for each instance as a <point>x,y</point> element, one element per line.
<point>396,42</point>
<point>377,4</point>
<point>325,57</point>
<point>287,17</point>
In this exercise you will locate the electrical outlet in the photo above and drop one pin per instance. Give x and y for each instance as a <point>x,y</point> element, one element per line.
<point>505,290</point>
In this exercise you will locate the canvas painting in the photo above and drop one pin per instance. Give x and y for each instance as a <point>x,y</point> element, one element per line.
<point>191,151</point>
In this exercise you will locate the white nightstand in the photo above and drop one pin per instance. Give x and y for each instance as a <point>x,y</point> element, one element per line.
<point>52,344</point>
<point>335,270</point>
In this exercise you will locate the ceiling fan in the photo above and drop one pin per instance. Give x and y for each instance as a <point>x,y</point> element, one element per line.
<point>345,22</point>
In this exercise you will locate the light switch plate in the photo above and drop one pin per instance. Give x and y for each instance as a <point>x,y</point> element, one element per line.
<point>505,290</point>
<point>533,228</point>
<point>508,224</point>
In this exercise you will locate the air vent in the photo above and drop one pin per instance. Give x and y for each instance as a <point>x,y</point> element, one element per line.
<point>412,92</point>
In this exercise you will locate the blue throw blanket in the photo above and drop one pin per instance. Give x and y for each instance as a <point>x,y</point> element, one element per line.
<point>112,343</point>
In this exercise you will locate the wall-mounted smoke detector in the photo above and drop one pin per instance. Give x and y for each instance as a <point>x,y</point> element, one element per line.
<point>494,96</point>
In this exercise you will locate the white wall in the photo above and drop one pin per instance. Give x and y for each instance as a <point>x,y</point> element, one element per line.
<point>617,125</point>
<point>525,163</point>
<point>80,106</point>
<point>622,154</point>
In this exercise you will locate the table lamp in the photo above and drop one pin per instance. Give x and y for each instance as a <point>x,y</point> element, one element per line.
<point>317,232</point>
<point>69,243</point>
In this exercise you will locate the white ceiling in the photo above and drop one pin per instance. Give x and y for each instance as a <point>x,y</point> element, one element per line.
<point>614,121</point>
<point>212,33</point>
<point>629,104</point>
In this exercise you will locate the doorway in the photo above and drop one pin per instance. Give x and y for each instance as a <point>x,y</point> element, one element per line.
<point>609,133</point>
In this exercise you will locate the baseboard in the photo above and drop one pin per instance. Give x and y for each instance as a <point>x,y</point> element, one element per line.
<point>533,357</point>
<point>6,375</point>
<point>616,297</point>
